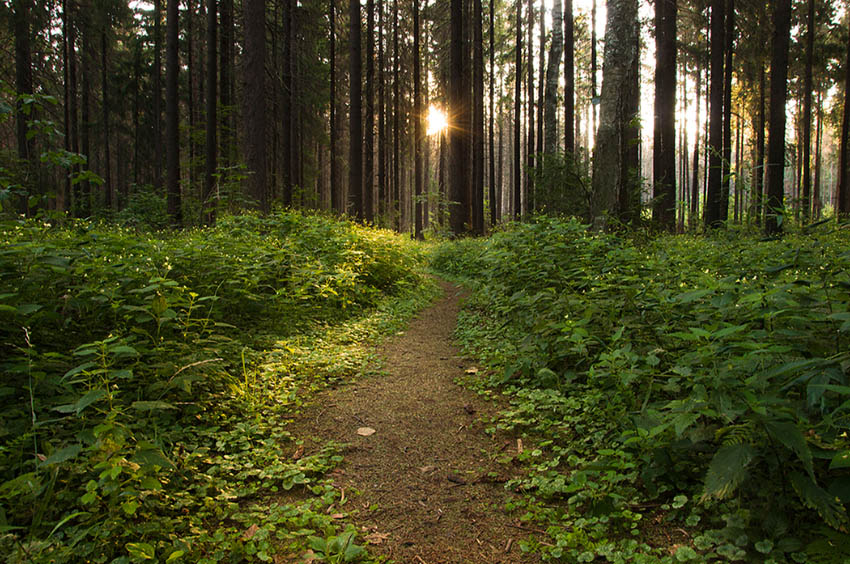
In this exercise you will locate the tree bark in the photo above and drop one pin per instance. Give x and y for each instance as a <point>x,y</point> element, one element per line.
<point>714,191</point>
<point>778,96</point>
<point>758,169</point>
<point>226,86</point>
<point>172,125</point>
<point>336,204</point>
<point>694,211</point>
<point>664,147</point>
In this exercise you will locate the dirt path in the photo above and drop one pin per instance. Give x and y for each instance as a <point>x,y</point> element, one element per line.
<point>426,484</point>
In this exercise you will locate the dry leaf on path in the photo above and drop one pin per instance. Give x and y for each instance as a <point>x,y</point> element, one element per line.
<point>376,537</point>
<point>519,446</point>
<point>337,516</point>
<point>299,452</point>
<point>427,469</point>
<point>249,534</point>
<point>472,370</point>
<point>365,431</point>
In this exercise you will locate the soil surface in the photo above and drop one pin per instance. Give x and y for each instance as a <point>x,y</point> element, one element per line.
<point>425,487</point>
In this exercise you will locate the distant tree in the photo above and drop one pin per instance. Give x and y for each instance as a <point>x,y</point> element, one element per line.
<point>778,97</point>
<point>664,147</point>
<point>613,179</point>
<point>172,117</point>
<point>23,73</point>
<point>529,159</point>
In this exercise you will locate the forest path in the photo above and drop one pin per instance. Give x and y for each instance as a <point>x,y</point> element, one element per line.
<point>425,488</point>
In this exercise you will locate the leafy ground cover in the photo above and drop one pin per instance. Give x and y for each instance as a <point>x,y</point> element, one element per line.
<point>687,397</point>
<point>148,380</point>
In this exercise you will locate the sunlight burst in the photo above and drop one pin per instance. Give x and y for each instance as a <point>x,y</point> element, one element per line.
<point>437,121</point>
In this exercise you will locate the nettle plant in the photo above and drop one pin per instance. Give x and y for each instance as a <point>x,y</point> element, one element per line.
<point>718,365</point>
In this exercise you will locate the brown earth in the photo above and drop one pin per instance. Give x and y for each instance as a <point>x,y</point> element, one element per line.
<point>426,487</point>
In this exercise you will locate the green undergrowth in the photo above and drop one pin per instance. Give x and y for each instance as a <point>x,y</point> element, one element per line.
<point>148,380</point>
<point>687,398</point>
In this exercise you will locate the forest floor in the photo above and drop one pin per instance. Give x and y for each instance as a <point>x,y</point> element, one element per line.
<point>425,487</point>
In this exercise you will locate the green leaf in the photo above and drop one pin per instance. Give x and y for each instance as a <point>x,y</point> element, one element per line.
<point>840,460</point>
<point>764,546</point>
<point>725,332</point>
<point>813,496</point>
<point>792,438</point>
<point>88,399</point>
<point>141,550</point>
<point>62,455</point>
<point>175,556</point>
<point>151,405</point>
<point>692,296</point>
<point>728,469</point>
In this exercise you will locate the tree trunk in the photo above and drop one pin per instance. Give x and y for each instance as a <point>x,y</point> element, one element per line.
<point>664,147</point>
<point>594,101</point>
<point>396,119</point>
<point>494,212</point>
<point>714,195</point>
<point>807,114</point>
<point>541,78</point>
<point>417,125</point>
<point>369,121</point>
<point>107,165</point>
<point>355,156</point>
<point>517,199</point>
<point>172,124</point>
<point>335,191</point>
<point>612,178</point>
<point>226,86</point>
<point>23,74</point>
<point>459,182</point>
<point>529,163</point>
<point>569,79</point>
<point>85,111</point>
<point>694,211</point>
<point>729,36</point>
<point>816,196</point>
<point>477,199</point>
<point>778,95</point>
<point>255,100</point>
<point>550,118</point>
<point>157,95</point>
<point>210,162</point>
<point>843,188</point>
<point>383,198</point>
